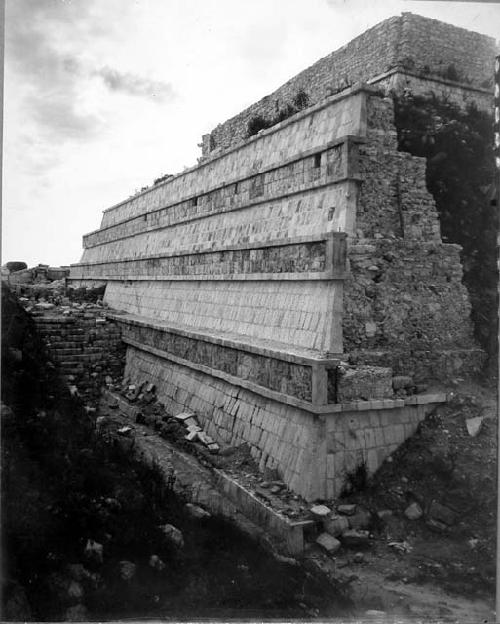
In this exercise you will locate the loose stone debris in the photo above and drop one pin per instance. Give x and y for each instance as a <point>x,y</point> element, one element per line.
<point>474,425</point>
<point>173,535</point>
<point>414,511</point>
<point>328,542</point>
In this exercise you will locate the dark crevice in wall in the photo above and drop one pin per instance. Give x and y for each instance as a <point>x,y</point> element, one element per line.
<point>457,145</point>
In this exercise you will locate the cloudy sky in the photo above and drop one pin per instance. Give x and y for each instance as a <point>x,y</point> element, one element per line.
<point>103,96</point>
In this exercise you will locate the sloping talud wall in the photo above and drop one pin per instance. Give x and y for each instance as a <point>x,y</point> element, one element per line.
<point>238,279</point>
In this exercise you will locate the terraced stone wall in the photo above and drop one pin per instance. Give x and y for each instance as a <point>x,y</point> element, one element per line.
<point>313,453</point>
<point>244,282</point>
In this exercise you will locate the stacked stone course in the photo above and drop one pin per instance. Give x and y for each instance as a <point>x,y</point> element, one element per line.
<point>245,283</point>
<point>83,344</point>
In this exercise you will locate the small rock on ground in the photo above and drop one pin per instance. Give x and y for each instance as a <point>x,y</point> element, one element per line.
<point>173,535</point>
<point>347,510</point>
<point>355,539</point>
<point>414,511</point>
<point>328,542</point>
<point>197,512</point>
<point>320,510</point>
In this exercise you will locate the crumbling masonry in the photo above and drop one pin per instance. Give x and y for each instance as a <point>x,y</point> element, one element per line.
<point>278,287</point>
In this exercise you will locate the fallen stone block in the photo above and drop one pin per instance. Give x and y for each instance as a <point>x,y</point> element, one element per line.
<point>441,513</point>
<point>320,511</point>
<point>347,510</point>
<point>329,543</point>
<point>124,431</point>
<point>156,563</point>
<point>260,491</point>
<point>436,525</point>
<point>172,535</point>
<point>403,547</point>
<point>94,551</point>
<point>205,438</point>
<point>335,525</point>
<point>355,539</point>
<point>214,447</point>
<point>414,511</point>
<point>197,512</point>
<point>185,415</point>
<point>127,570</point>
<point>191,436</point>
<point>474,425</point>
<point>73,390</point>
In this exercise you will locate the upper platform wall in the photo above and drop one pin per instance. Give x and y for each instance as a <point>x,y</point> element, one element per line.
<point>434,50</point>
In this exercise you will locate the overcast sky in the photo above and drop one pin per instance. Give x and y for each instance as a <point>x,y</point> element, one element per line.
<point>103,96</point>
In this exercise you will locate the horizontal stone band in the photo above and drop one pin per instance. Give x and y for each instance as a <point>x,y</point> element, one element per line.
<point>335,163</point>
<point>317,259</point>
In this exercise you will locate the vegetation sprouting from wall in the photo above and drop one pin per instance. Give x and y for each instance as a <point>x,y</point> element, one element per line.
<point>259,122</point>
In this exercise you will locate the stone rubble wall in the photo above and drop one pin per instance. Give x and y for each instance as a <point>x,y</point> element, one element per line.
<point>83,344</point>
<point>404,302</point>
<point>419,45</point>
<point>393,198</point>
<point>405,306</point>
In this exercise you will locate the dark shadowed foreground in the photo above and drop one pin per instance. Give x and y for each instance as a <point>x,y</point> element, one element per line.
<point>81,536</point>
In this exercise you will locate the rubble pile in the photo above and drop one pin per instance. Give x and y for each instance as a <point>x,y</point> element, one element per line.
<point>184,429</point>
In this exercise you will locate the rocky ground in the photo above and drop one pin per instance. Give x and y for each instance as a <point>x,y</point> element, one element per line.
<point>424,526</point>
<point>433,513</point>
<point>88,534</point>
